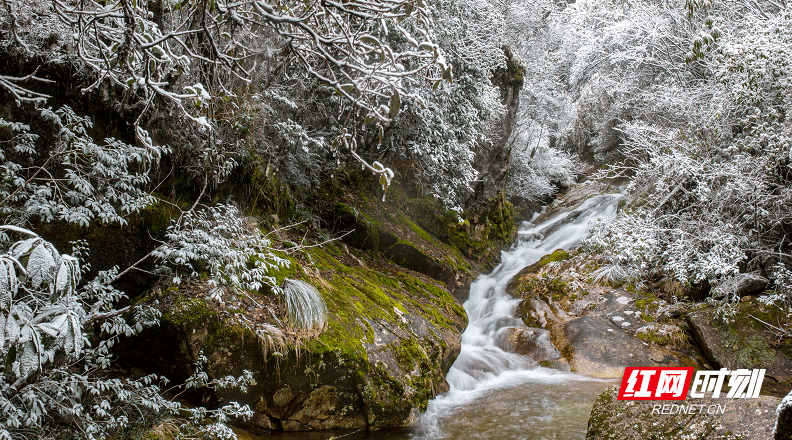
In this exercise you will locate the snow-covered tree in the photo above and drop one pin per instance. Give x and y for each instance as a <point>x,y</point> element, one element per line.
<point>709,156</point>
<point>56,333</point>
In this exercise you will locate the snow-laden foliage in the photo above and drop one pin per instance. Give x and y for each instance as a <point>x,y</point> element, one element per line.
<point>710,157</point>
<point>300,128</point>
<point>223,244</point>
<point>56,334</point>
<point>443,136</point>
<point>79,179</point>
<point>198,56</point>
<point>305,305</point>
<point>145,47</point>
<point>537,169</point>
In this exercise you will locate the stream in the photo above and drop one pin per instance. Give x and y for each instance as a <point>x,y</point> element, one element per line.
<point>496,394</point>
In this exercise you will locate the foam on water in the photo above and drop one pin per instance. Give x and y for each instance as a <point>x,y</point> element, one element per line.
<point>482,367</point>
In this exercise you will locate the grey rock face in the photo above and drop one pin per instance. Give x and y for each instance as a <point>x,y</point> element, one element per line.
<point>743,284</point>
<point>613,419</point>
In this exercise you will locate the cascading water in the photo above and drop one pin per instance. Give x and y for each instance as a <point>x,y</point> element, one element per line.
<point>483,367</point>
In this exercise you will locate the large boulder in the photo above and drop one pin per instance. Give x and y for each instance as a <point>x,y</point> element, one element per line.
<point>743,284</point>
<point>390,339</point>
<point>744,341</point>
<point>613,419</point>
<point>422,235</point>
<point>599,347</point>
<point>596,329</point>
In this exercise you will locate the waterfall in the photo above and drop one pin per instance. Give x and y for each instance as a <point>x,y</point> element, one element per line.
<point>482,366</point>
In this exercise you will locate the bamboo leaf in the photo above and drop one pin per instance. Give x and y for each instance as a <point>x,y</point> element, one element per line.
<point>395,104</point>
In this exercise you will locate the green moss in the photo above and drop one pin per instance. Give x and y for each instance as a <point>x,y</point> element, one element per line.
<point>158,217</point>
<point>648,305</point>
<point>557,255</point>
<point>186,310</point>
<point>654,338</point>
<point>745,340</point>
<point>418,230</point>
<point>292,270</point>
<point>357,296</point>
<point>268,194</point>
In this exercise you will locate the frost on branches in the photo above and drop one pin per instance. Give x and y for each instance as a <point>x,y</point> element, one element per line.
<point>202,59</point>
<point>710,188</point>
<point>225,245</point>
<point>79,179</point>
<point>56,336</point>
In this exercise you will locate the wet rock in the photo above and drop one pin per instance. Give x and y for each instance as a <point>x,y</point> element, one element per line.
<point>506,321</point>
<point>596,346</point>
<point>523,283</point>
<point>391,337</point>
<point>744,342</point>
<point>524,208</point>
<point>532,342</point>
<point>574,197</point>
<point>743,284</point>
<point>559,364</point>
<point>613,419</point>
<point>537,312</point>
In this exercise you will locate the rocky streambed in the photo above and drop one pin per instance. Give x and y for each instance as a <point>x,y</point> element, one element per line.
<point>602,325</point>
<point>544,334</point>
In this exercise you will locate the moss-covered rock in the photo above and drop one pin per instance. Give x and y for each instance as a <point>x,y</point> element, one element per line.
<point>391,336</point>
<point>359,229</point>
<point>598,329</point>
<point>613,419</point>
<point>745,342</point>
<point>405,254</point>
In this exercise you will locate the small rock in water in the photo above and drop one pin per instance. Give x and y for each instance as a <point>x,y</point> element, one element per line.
<point>526,225</point>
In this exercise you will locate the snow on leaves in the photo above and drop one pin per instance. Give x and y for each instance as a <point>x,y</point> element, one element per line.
<point>231,249</point>
<point>39,288</point>
<point>81,180</point>
<point>51,368</point>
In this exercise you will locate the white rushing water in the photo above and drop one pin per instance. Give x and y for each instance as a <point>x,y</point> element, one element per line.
<point>483,367</point>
